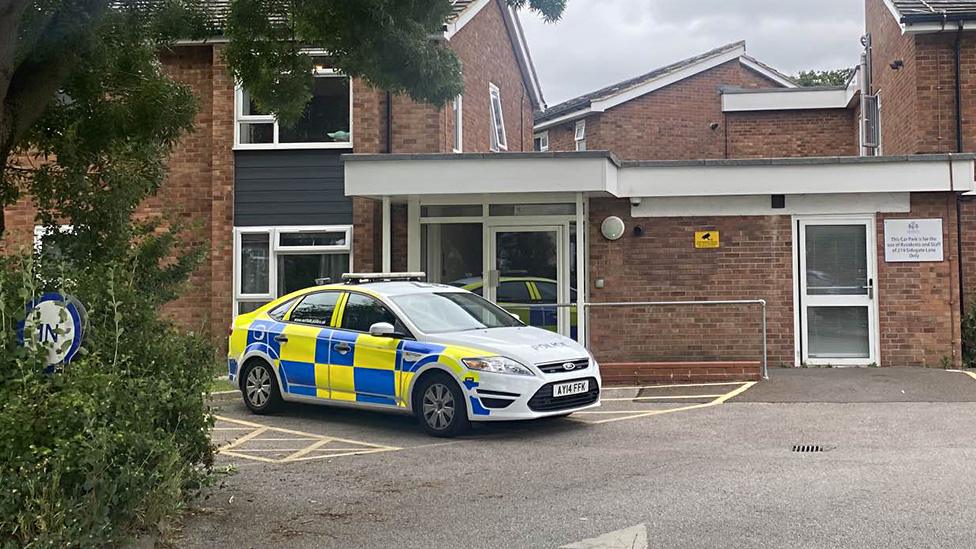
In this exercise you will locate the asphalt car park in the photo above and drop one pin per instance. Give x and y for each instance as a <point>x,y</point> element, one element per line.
<point>889,464</point>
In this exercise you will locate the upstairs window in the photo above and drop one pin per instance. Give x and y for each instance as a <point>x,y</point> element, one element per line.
<point>540,143</point>
<point>458,111</point>
<point>580,136</point>
<point>326,122</point>
<point>498,140</point>
<point>871,125</point>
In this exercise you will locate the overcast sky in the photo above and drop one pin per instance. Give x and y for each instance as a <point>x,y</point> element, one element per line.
<point>600,42</point>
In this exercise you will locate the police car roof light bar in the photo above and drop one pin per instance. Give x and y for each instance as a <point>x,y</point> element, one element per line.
<point>360,278</point>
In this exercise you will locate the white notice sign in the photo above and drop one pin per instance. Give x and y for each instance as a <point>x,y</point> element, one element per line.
<point>908,240</point>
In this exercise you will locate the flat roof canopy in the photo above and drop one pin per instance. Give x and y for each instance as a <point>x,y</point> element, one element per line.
<point>599,172</point>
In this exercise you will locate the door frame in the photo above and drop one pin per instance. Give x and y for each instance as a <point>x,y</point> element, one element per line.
<point>562,273</point>
<point>799,222</point>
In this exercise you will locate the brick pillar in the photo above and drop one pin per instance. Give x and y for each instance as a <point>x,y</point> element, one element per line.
<point>222,193</point>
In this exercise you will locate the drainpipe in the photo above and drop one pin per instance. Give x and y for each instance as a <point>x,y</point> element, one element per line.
<point>959,148</point>
<point>389,123</point>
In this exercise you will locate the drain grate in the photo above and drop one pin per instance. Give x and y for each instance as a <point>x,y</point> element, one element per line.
<point>809,448</point>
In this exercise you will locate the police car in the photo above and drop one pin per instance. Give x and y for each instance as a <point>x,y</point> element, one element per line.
<point>394,342</point>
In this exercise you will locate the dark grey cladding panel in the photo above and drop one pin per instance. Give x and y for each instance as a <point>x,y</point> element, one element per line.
<point>304,187</point>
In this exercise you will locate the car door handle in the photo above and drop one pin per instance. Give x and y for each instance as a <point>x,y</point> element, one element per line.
<point>281,338</point>
<point>342,348</point>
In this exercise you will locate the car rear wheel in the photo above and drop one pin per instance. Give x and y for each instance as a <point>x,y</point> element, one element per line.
<point>260,388</point>
<point>440,407</point>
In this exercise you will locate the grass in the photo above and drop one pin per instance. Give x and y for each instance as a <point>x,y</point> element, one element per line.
<point>222,384</point>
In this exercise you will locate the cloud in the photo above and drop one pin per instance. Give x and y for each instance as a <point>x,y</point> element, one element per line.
<point>600,42</point>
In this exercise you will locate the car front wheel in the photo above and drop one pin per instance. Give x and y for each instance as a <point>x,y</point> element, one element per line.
<point>260,388</point>
<point>440,407</point>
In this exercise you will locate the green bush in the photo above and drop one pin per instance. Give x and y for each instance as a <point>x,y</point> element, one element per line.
<point>118,439</point>
<point>969,337</point>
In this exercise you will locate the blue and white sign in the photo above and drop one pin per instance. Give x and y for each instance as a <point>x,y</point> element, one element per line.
<point>54,322</point>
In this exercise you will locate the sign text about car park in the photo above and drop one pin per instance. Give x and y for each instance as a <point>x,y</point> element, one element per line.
<point>908,240</point>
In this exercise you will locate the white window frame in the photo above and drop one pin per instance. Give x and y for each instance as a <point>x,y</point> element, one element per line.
<point>240,118</point>
<point>499,140</point>
<point>275,249</point>
<point>543,138</point>
<point>458,137</point>
<point>580,135</point>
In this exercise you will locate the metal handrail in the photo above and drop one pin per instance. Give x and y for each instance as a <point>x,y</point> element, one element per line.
<point>589,305</point>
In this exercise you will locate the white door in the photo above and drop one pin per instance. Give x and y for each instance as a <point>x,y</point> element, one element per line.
<point>837,297</point>
<point>524,264</point>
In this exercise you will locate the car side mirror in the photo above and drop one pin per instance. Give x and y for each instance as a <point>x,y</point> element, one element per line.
<point>383,329</point>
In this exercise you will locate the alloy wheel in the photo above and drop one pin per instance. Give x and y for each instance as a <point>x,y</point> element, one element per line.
<point>438,406</point>
<point>258,386</point>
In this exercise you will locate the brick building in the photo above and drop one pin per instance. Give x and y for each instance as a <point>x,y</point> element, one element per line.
<point>850,237</point>
<point>714,178</point>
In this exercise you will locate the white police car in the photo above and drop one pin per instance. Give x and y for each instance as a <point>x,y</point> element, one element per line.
<point>394,342</point>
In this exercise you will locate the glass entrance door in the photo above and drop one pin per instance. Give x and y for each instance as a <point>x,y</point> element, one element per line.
<point>527,275</point>
<point>837,291</point>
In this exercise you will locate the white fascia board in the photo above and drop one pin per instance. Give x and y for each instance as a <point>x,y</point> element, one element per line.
<point>525,60</point>
<point>894,12</point>
<point>420,177</point>
<point>786,100</point>
<point>645,88</point>
<point>928,28</point>
<point>757,67</point>
<point>798,204</point>
<point>574,115</point>
<point>812,178</point>
<point>466,16</point>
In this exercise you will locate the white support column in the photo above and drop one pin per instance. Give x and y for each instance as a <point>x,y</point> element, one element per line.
<point>387,236</point>
<point>413,235</point>
<point>582,264</point>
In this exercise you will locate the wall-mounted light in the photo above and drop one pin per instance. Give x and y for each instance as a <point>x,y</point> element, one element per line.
<point>897,64</point>
<point>613,228</point>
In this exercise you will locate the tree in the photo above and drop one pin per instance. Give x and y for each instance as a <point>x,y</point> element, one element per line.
<point>836,77</point>
<point>54,55</point>
<point>87,119</point>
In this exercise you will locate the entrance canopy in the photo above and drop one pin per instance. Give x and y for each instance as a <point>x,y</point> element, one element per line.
<point>398,176</point>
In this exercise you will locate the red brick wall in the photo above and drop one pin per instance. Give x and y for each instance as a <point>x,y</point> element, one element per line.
<point>222,191</point>
<point>770,134</point>
<point>19,233</point>
<point>186,196</point>
<point>754,262</point>
<point>672,123</point>
<point>197,193</point>
<point>898,94</point>
<point>487,54</point>
<point>919,321</point>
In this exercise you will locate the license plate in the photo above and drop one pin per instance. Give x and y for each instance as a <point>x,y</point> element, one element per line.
<point>571,388</point>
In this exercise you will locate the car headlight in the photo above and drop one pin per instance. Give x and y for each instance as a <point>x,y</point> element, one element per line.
<point>497,365</point>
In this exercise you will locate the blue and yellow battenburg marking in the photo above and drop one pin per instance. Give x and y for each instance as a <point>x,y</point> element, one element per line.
<point>333,364</point>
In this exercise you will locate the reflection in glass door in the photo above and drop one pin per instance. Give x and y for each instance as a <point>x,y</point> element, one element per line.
<point>837,293</point>
<point>527,275</point>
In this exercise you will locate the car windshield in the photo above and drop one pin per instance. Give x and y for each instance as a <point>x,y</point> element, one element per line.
<point>437,313</point>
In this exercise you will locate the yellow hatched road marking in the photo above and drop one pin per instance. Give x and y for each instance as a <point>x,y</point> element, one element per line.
<point>745,386</point>
<point>353,447</point>
<point>716,384</point>
<point>664,397</point>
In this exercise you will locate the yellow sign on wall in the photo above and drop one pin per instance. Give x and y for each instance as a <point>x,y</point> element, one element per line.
<point>706,239</point>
